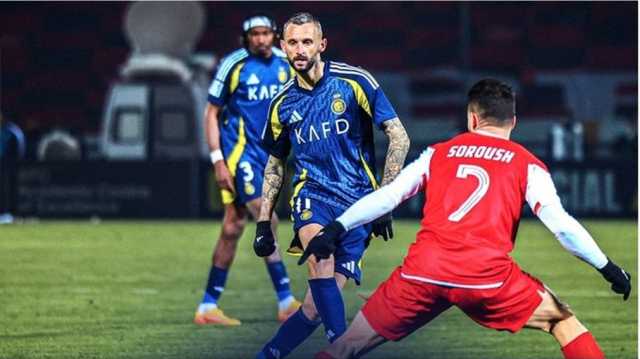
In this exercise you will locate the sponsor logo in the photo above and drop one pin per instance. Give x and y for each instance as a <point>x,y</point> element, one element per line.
<point>263,92</point>
<point>350,266</point>
<point>311,134</point>
<point>253,80</point>
<point>295,117</point>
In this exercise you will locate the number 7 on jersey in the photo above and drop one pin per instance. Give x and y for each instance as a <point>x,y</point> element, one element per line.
<point>464,171</point>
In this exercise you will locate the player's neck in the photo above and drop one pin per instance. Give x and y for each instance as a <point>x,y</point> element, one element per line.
<point>494,131</point>
<point>309,79</point>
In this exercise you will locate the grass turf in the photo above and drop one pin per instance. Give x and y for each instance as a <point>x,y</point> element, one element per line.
<point>129,290</point>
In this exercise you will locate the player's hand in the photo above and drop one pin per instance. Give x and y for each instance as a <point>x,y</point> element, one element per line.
<point>620,279</point>
<point>264,245</point>
<point>223,176</point>
<point>323,244</point>
<point>383,226</point>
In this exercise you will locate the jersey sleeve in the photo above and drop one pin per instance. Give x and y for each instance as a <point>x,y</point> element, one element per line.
<point>370,96</point>
<point>409,182</point>
<point>226,78</point>
<point>544,201</point>
<point>540,190</point>
<point>275,136</point>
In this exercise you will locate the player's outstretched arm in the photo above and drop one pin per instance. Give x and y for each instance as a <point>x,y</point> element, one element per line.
<point>264,244</point>
<point>396,154</point>
<point>542,197</point>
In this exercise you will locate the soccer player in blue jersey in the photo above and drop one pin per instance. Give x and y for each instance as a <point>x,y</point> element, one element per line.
<point>239,97</point>
<point>324,117</point>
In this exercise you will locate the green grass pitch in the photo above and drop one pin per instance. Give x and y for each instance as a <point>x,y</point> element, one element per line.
<point>129,290</point>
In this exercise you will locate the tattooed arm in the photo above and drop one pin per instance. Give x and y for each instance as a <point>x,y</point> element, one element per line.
<point>397,152</point>
<point>273,178</point>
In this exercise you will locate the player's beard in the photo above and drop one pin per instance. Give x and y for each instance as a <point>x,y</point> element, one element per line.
<point>310,63</point>
<point>261,50</point>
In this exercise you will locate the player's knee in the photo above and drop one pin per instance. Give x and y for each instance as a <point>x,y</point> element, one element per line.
<point>323,269</point>
<point>232,229</point>
<point>274,220</point>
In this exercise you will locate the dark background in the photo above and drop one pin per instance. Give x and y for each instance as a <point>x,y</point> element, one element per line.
<point>59,58</point>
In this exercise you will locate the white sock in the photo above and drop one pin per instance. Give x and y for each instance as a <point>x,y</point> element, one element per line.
<point>205,307</point>
<point>285,303</point>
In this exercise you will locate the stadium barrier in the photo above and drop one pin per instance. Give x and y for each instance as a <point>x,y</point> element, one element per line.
<point>186,189</point>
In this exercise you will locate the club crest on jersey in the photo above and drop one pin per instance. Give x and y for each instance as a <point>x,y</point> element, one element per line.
<point>338,106</point>
<point>282,75</point>
<point>249,189</point>
<point>306,215</point>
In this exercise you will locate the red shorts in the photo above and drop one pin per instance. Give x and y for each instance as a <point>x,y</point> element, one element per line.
<point>400,306</point>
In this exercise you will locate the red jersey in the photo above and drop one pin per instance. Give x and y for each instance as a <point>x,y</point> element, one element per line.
<point>475,191</point>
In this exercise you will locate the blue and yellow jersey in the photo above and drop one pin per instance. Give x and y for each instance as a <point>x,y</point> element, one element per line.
<point>244,85</point>
<point>329,130</point>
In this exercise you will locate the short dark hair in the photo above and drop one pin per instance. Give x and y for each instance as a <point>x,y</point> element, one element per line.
<point>493,100</point>
<point>300,19</point>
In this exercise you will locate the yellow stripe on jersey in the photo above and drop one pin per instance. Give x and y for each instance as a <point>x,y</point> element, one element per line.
<point>360,95</point>
<point>276,126</point>
<point>238,149</point>
<point>298,186</point>
<point>235,78</point>
<point>292,250</point>
<point>370,174</point>
<point>234,159</point>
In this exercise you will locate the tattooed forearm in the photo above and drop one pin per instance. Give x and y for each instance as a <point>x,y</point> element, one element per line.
<point>398,148</point>
<point>273,178</point>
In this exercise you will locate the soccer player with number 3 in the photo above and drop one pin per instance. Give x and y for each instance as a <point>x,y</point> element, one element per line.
<point>238,100</point>
<point>475,185</point>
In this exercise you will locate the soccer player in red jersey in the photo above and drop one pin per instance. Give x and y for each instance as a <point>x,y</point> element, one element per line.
<point>475,186</point>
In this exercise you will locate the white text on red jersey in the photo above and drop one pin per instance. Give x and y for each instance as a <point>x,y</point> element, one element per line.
<point>484,152</point>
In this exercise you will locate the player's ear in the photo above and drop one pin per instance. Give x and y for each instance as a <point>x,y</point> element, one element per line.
<point>472,120</point>
<point>323,44</point>
<point>513,122</point>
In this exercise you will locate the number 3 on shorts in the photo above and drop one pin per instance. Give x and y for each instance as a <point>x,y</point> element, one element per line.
<point>248,172</point>
<point>478,172</point>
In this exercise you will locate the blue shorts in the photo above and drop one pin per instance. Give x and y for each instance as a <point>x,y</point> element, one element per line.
<point>246,160</point>
<point>309,208</point>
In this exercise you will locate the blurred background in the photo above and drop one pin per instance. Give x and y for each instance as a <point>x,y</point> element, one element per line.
<point>102,103</point>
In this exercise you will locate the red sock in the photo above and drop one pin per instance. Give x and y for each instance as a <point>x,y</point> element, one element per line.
<point>583,347</point>
<point>323,355</point>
